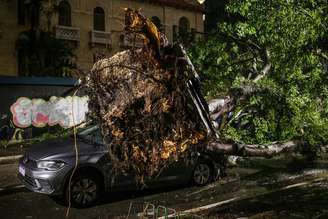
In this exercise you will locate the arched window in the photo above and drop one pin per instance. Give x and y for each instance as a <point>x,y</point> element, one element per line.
<point>184,26</point>
<point>99,19</point>
<point>64,14</point>
<point>157,22</point>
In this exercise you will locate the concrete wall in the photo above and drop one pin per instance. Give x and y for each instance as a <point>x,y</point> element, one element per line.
<point>10,91</point>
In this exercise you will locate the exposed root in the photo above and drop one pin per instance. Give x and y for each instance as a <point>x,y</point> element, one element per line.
<point>146,115</point>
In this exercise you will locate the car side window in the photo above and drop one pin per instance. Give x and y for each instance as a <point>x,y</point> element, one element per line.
<point>92,134</point>
<point>97,137</point>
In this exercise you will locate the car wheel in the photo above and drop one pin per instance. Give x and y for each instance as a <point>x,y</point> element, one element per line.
<point>85,190</point>
<point>202,174</point>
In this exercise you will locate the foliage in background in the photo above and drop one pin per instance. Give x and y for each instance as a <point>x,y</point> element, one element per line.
<point>44,55</point>
<point>278,50</point>
<point>39,52</point>
<point>18,136</point>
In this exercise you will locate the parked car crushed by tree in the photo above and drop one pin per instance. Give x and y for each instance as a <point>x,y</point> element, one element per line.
<point>46,168</point>
<point>153,124</point>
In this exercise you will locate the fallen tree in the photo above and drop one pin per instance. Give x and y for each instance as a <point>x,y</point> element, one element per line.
<point>151,111</point>
<point>246,150</point>
<point>268,75</point>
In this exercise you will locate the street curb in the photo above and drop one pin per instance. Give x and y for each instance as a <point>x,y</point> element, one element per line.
<point>9,159</point>
<point>12,189</point>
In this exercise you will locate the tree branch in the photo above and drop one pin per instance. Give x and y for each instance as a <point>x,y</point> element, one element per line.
<point>267,65</point>
<point>321,54</point>
<point>256,150</point>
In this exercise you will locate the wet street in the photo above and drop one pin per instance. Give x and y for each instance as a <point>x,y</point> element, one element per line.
<point>259,188</point>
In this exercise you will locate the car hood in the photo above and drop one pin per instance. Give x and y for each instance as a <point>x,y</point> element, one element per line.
<point>64,147</point>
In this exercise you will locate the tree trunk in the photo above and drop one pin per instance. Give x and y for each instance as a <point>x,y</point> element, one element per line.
<point>256,150</point>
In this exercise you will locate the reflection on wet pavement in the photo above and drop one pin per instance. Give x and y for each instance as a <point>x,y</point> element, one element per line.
<point>280,192</point>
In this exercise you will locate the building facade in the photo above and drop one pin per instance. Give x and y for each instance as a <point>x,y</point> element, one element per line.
<point>93,27</point>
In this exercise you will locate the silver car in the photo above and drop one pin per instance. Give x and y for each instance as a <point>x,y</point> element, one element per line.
<point>47,167</point>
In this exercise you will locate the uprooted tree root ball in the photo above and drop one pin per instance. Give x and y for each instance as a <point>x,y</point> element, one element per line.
<point>146,116</point>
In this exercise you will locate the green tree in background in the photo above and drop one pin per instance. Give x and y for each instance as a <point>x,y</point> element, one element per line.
<point>272,61</point>
<point>39,52</point>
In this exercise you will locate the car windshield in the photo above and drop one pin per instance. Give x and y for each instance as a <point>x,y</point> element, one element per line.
<point>91,134</point>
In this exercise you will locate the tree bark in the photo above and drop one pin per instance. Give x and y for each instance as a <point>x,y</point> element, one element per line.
<point>256,150</point>
<point>267,65</point>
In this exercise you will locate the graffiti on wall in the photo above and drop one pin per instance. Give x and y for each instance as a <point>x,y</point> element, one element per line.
<point>66,112</point>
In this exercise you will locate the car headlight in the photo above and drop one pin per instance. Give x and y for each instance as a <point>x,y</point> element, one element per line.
<point>50,165</point>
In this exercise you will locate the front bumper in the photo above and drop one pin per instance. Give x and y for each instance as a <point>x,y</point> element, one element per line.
<point>37,185</point>
<point>41,181</point>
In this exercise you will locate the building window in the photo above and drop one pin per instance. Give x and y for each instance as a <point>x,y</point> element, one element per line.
<point>157,22</point>
<point>99,19</point>
<point>64,14</point>
<point>184,26</point>
<point>21,12</point>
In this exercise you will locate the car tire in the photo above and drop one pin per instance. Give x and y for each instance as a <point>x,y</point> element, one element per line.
<point>202,174</point>
<point>85,190</point>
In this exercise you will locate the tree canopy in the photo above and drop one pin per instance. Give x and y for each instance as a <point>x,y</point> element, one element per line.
<point>272,60</point>
<point>39,52</point>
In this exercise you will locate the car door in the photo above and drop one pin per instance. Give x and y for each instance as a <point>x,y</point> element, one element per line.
<point>114,181</point>
<point>176,173</point>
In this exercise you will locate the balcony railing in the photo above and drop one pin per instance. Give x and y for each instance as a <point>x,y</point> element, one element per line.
<point>100,37</point>
<point>128,40</point>
<point>67,33</point>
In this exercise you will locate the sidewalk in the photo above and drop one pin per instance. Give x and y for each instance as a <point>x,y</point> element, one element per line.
<point>11,154</point>
<point>9,183</point>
